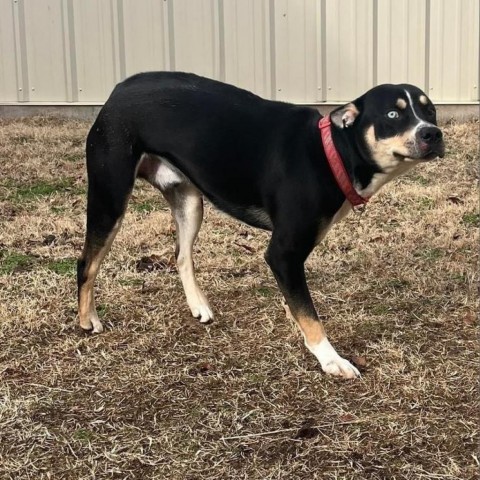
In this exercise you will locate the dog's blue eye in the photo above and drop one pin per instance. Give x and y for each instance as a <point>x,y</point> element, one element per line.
<point>393,114</point>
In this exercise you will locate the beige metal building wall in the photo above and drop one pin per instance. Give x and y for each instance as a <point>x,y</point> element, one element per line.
<point>306,51</point>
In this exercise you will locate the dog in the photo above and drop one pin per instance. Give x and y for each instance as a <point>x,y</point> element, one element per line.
<point>273,165</point>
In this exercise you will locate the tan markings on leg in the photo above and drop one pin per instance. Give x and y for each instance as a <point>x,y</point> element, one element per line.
<point>86,305</point>
<point>401,104</point>
<point>423,99</point>
<point>312,329</point>
<point>317,342</point>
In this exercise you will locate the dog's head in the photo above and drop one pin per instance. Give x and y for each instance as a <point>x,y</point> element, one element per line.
<point>394,123</point>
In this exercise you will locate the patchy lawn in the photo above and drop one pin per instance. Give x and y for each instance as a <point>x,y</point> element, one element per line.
<point>160,396</point>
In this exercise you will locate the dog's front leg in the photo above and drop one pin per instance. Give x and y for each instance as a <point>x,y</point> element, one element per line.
<point>286,259</point>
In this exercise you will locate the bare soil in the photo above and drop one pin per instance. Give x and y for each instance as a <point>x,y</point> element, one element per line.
<point>159,396</point>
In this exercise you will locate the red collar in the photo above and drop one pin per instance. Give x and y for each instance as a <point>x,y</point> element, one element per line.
<point>336,164</point>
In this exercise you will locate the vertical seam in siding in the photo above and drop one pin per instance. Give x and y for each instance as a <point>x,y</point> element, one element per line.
<point>66,51</point>
<point>273,70</point>
<point>171,35</point>
<point>323,46</point>
<point>375,43</point>
<point>73,50</point>
<point>427,46</point>
<point>21,50</point>
<point>113,39</point>
<point>221,40</point>
<point>121,39</point>
<point>16,48</point>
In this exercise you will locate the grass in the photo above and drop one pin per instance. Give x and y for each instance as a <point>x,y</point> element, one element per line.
<point>11,262</point>
<point>159,396</point>
<point>64,266</point>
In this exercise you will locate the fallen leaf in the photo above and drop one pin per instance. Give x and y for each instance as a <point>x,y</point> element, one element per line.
<point>359,361</point>
<point>454,199</point>
<point>248,248</point>
<point>155,262</point>
<point>306,430</point>
<point>347,417</point>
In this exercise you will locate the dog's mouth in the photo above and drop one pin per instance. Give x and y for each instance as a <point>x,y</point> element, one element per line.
<point>424,153</point>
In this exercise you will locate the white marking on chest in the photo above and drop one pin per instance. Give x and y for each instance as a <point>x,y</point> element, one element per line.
<point>380,179</point>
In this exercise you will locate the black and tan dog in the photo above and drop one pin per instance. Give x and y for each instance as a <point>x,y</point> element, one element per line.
<point>261,161</point>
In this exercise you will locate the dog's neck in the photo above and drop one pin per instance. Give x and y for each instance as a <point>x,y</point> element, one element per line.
<point>366,175</point>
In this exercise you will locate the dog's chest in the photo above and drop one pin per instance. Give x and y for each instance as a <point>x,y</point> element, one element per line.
<point>343,211</point>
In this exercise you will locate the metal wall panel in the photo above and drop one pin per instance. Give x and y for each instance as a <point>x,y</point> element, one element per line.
<point>8,74</point>
<point>45,51</point>
<point>96,65</point>
<point>246,38</point>
<point>349,48</point>
<point>146,33</point>
<point>306,51</point>
<point>196,37</point>
<point>401,45</point>
<point>454,54</point>
<point>296,54</point>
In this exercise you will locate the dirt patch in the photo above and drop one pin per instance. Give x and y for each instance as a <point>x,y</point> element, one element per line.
<point>160,396</point>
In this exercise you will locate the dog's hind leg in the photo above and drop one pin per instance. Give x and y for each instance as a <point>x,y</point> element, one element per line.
<point>111,175</point>
<point>186,203</point>
<point>187,209</point>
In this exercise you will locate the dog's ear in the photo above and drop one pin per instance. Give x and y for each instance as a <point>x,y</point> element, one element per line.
<point>344,116</point>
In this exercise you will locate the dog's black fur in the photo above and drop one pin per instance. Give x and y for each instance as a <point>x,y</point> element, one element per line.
<point>261,161</point>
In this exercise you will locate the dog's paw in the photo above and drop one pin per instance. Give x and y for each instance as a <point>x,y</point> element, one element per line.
<point>92,323</point>
<point>340,367</point>
<point>202,312</point>
<point>332,363</point>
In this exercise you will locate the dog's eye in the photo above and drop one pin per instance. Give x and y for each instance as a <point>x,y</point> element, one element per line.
<point>393,114</point>
<point>431,112</point>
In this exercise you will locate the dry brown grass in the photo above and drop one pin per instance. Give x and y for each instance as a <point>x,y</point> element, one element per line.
<point>160,396</point>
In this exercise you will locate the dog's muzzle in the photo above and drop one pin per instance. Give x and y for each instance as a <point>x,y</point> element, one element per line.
<point>429,140</point>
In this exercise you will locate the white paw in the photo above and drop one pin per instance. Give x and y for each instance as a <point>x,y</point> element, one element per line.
<point>202,312</point>
<point>92,323</point>
<point>97,325</point>
<point>340,368</point>
<point>332,363</point>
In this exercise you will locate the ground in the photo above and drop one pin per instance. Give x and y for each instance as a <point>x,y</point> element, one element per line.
<point>158,395</point>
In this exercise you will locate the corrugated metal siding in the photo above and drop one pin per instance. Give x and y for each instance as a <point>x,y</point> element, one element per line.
<point>306,51</point>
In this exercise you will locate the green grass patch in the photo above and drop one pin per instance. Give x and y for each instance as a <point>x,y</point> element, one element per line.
<point>102,310</point>
<point>426,203</point>
<point>83,435</point>
<point>430,254</point>
<point>11,262</point>
<point>144,207</point>
<point>471,219</point>
<point>74,157</point>
<point>264,292</point>
<point>63,266</point>
<point>135,282</point>
<point>398,283</point>
<point>58,209</point>
<point>421,180</point>
<point>379,309</point>
<point>28,193</point>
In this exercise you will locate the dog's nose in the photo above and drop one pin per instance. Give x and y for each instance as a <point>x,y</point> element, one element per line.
<point>430,135</point>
